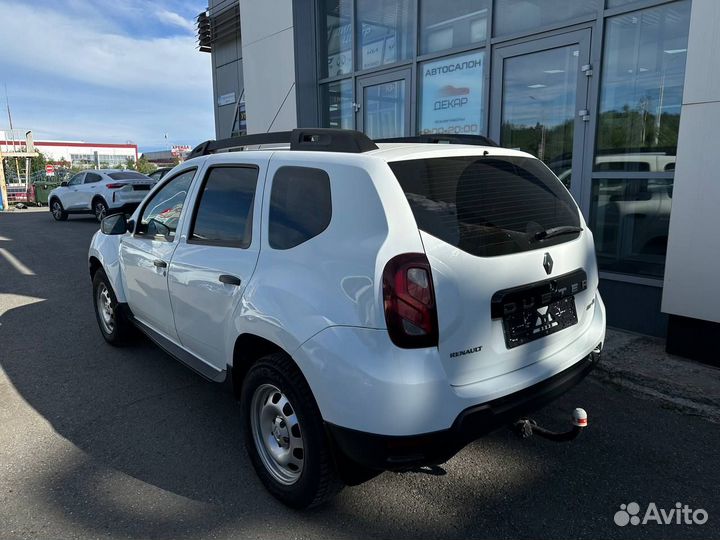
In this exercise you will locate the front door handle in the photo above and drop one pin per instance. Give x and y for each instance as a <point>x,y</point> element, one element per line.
<point>160,264</point>
<point>229,280</point>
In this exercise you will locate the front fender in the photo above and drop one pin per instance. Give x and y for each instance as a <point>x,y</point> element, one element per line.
<point>106,249</point>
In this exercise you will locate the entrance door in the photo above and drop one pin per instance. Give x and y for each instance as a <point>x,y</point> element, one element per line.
<point>383,104</point>
<point>540,93</point>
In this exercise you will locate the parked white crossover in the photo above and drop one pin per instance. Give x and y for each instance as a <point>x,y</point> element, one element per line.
<point>100,192</point>
<point>376,306</point>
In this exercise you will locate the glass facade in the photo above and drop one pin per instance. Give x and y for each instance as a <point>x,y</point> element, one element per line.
<point>385,32</point>
<point>608,131</point>
<point>641,91</point>
<point>515,16</point>
<point>538,106</point>
<point>448,25</point>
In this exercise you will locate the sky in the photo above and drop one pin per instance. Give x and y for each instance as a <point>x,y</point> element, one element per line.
<point>106,71</point>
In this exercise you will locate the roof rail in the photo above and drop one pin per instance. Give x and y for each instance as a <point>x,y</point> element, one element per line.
<point>313,139</point>
<point>480,140</point>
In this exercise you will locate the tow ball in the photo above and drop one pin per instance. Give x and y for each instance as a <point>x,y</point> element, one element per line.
<point>526,427</point>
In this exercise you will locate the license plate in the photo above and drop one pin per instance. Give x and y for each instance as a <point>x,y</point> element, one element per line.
<point>539,309</point>
<point>530,324</point>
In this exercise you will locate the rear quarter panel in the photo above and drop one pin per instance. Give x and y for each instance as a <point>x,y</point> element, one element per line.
<point>333,279</point>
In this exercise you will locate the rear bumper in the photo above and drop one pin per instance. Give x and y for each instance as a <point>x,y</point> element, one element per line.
<point>397,453</point>
<point>124,208</point>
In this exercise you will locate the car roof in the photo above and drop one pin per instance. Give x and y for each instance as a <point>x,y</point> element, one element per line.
<point>387,152</point>
<point>407,151</point>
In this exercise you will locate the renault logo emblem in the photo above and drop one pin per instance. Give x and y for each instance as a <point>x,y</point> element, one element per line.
<point>547,263</point>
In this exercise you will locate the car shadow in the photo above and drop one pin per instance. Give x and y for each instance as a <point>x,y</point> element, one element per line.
<point>161,456</point>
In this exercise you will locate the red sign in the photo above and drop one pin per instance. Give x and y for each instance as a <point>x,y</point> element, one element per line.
<point>49,170</point>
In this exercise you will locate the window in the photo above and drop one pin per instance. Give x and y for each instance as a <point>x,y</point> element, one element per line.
<point>225,210</point>
<point>336,109</point>
<point>642,84</point>
<point>91,178</point>
<point>162,212</point>
<point>300,206</point>
<point>77,179</point>
<point>127,175</point>
<point>630,221</point>
<point>513,16</point>
<point>489,205</point>
<point>451,95</point>
<point>384,32</point>
<point>446,25</point>
<point>336,15</point>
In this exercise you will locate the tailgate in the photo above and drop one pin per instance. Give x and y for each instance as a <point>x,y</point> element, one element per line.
<point>514,270</point>
<point>474,343</point>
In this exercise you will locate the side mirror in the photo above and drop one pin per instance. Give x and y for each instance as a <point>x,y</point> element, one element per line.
<point>63,184</point>
<point>130,227</point>
<point>115,224</point>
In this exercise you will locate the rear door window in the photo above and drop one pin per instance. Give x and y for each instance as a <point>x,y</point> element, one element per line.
<point>91,178</point>
<point>489,205</point>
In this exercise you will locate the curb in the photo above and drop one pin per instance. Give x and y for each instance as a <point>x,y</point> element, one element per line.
<point>640,364</point>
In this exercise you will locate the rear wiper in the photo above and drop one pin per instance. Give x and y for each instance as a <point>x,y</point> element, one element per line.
<point>556,231</point>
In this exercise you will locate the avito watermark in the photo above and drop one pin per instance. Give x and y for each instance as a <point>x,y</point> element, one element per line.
<point>681,514</point>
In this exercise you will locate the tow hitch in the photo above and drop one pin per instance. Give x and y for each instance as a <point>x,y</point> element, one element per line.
<point>526,427</point>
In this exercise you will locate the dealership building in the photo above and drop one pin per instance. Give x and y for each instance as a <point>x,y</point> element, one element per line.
<point>76,153</point>
<point>620,98</point>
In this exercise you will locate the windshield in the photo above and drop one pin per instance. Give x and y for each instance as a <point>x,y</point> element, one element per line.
<point>127,175</point>
<point>489,205</point>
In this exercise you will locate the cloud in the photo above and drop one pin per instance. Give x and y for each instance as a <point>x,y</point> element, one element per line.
<point>65,46</point>
<point>71,75</point>
<point>172,18</point>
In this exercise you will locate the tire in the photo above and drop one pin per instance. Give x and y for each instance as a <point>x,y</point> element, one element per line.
<point>280,418</point>
<point>57,210</point>
<point>100,209</point>
<point>114,325</point>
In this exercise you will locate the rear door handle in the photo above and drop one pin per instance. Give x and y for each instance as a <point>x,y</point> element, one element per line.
<point>229,280</point>
<point>159,263</point>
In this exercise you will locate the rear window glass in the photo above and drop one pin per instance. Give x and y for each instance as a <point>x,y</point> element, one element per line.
<point>300,206</point>
<point>127,175</point>
<point>490,205</point>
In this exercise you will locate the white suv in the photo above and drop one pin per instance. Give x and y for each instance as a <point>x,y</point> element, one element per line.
<point>100,192</point>
<point>376,307</point>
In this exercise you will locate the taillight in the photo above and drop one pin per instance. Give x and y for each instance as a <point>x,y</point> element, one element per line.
<point>116,185</point>
<point>409,299</point>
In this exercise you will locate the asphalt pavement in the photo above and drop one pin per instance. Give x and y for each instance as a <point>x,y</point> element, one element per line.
<point>100,442</point>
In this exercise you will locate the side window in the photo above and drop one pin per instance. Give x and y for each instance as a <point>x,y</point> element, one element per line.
<point>300,206</point>
<point>162,212</point>
<point>225,209</point>
<point>77,179</point>
<point>91,178</point>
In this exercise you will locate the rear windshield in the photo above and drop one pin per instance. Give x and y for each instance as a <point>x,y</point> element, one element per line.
<point>490,205</point>
<point>127,175</point>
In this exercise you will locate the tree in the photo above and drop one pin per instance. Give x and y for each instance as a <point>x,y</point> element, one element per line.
<point>143,165</point>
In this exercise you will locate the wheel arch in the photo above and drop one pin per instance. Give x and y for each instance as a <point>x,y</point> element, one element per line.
<point>96,198</point>
<point>247,350</point>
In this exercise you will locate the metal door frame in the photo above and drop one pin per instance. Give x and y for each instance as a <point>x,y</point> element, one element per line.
<point>405,74</point>
<point>581,131</point>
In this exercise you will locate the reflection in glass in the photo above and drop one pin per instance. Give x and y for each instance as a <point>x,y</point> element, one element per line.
<point>641,88</point>
<point>451,94</point>
<point>538,106</point>
<point>384,30</point>
<point>336,104</point>
<point>512,16</point>
<point>630,220</point>
<point>337,47</point>
<point>445,25</point>
<point>384,110</point>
